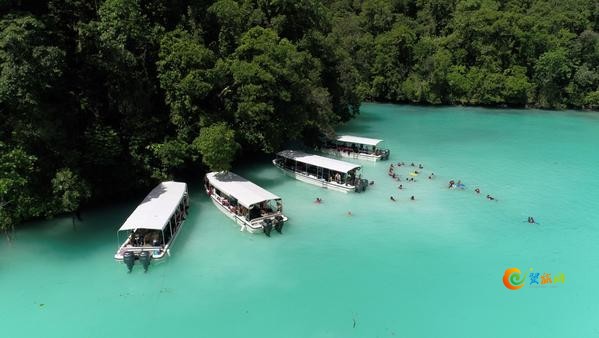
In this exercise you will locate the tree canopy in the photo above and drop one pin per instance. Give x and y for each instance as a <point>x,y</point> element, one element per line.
<point>217,145</point>
<point>101,98</point>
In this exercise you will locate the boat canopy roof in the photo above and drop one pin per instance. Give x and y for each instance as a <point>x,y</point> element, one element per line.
<point>246,192</point>
<point>156,209</point>
<point>359,140</point>
<point>318,161</point>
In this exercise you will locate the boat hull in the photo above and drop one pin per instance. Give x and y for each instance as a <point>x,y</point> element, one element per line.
<point>251,227</point>
<point>316,181</point>
<point>158,253</point>
<point>352,155</point>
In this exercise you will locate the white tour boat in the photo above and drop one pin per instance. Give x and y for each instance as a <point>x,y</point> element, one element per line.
<point>253,208</point>
<point>153,226</point>
<point>360,148</point>
<point>321,171</point>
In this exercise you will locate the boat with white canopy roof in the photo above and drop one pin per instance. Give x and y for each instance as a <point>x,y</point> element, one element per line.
<point>153,226</point>
<point>321,171</point>
<point>356,147</point>
<point>247,204</point>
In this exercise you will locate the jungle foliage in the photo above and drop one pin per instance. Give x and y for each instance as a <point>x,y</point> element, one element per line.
<point>101,98</point>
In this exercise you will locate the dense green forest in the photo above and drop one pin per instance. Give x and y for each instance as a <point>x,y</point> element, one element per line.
<point>101,98</point>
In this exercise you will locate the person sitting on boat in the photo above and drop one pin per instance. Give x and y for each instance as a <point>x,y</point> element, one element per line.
<point>531,220</point>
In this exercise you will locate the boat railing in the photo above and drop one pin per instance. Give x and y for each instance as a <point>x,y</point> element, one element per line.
<point>267,216</point>
<point>138,249</point>
<point>349,150</point>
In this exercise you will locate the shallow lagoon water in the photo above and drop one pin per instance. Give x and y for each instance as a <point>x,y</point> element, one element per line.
<point>428,268</point>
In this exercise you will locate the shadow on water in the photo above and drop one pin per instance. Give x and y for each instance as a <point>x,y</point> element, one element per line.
<point>57,238</point>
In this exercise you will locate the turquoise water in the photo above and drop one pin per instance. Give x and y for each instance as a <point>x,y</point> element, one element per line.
<point>428,268</point>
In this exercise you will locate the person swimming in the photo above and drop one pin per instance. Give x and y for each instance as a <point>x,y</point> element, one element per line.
<point>318,200</point>
<point>451,183</point>
<point>531,220</point>
<point>371,182</point>
<point>491,198</point>
<point>412,198</point>
<point>392,198</point>
<point>349,213</point>
<point>420,166</point>
<point>412,164</point>
<point>400,187</point>
<point>477,190</point>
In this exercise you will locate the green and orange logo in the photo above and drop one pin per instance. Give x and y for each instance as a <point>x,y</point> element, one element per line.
<point>513,279</point>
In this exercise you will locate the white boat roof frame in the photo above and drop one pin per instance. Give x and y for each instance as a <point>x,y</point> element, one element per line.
<point>319,161</point>
<point>156,210</point>
<point>245,192</point>
<point>359,140</point>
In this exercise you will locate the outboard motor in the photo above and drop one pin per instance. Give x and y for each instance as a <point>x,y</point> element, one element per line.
<point>364,184</point>
<point>145,257</point>
<point>129,259</point>
<point>361,185</point>
<point>267,226</point>
<point>279,223</point>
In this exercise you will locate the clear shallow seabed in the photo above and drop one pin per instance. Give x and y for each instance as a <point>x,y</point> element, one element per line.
<point>429,268</point>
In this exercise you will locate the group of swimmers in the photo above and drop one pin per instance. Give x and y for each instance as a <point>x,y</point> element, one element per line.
<point>392,199</point>
<point>392,173</point>
<point>460,185</point>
